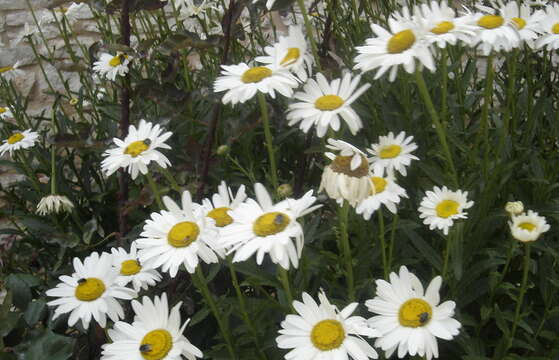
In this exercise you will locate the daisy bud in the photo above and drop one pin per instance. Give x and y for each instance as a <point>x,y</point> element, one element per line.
<point>222,150</point>
<point>285,190</point>
<point>514,208</point>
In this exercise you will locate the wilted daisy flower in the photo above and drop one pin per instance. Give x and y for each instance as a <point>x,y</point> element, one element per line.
<point>494,33</point>
<point>549,27</point>
<point>155,334</point>
<point>137,150</point>
<point>264,227</point>
<point>110,66</point>
<point>11,72</point>
<point>90,292</point>
<point>5,113</point>
<point>348,176</point>
<point>221,203</point>
<point>443,26</point>
<point>53,204</point>
<point>384,190</point>
<point>440,207</point>
<point>393,153</point>
<point>410,320</point>
<point>323,104</point>
<point>131,270</point>
<point>402,45</point>
<point>178,236</point>
<point>321,331</point>
<point>291,53</point>
<point>19,140</point>
<point>514,208</point>
<point>242,82</point>
<point>528,227</point>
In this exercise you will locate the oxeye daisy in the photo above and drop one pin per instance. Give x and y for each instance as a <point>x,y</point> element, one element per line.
<point>494,33</point>
<point>10,72</point>
<point>514,208</point>
<point>526,21</point>
<point>323,104</point>
<point>393,152</point>
<point>321,331</point>
<point>155,334</point>
<point>291,53</point>
<point>409,319</point>
<point>90,292</point>
<point>130,269</point>
<point>242,82</point>
<point>549,27</point>
<point>72,13</point>
<point>110,66</point>
<point>443,26</point>
<point>402,45</point>
<point>528,227</point>
<point>137,150</point>
<point>19,140</point>
<point>440,207</point>
<point>5,113</point>
<point>384,191</point>
<point>348,176</point>
<point>263,227</point>
<point>54,204</point>
<point>178,236</point>
<point>221,203</point>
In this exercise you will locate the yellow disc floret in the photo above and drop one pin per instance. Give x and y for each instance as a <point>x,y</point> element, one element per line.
<point>293,55</point>
<point>117,60</point>
<point>327,335</point>
<point>379,184</point>
<point>256,74</point>
<point>89,289</point>
<point>527,226</point>
<point>136,148</point>
<point>401,42</point>
<point>3,110</point>
<point>554,29</point>
<point>17,137</point>
<point>447,208</point>
<point>130,267</point>
<point>415,313</point>
<point>183,234</point>
<point>491,21</point>
<point>6,69</point>
<point>390,151</point>
<point>442,28</point>
<point>156,344</point>
<point>519,22</point>
<point>328,102</point>
<point>270,224</point>
<point>342,164</point>
<point>221,216</point>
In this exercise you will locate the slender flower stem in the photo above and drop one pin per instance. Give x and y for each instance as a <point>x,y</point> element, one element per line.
<point>444,86</point>
<point>447,254</point>
<point>284,278</point>
<point>309,28</point>
<point>511,94</point>
<point>269,140</point>
<point>29,171</point>
<point>391,242</point>
<point>484,126</point>
<point>343,213</point>
<point>171,179</point>
<point>201,283</point>
<point>441,133</point>
<point>382,244</point>
<point>155,190</point>
<point>522,292</point>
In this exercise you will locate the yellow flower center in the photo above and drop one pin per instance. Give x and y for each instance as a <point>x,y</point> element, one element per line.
<point>73,101</point>
<point>447,208</point>
<point>491,21</point>
<point>156,344</point>
<point>379,184</point>
<point>130,267</point>
<point>390,151</point>
<point>328,102</point>
<point>117,60</point>
<point>401,42</point>
<point>256,74</point>
<point>442,28</point>
<point>519,22</point>
<point>328,335</point>
<point>136,148</point>
<point>270,224</point>
<point>554,29</point>
<point>17,137</point>
<point>415,313</point>
<point>293,55</point>
<point>89,289</point>
<point>183,234</point>
<point>5,69</point>
<point>221,216</point>
<point>3,110</point>
<point>342,164</point>
<point>527,226</point>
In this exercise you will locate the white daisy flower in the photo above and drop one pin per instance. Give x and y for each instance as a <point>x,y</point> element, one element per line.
<point>549,27</point>
<point>90,292</point>
<point>11,72</point>
<point>526,21</point>
<point>72,13</point>
<point>440,207</point>
<point>264,227</point>
<point>384,191</point>
<point>393,152</point>
<point>19,140</point>
<point>323,104</point>
<point>189,8</point>
<point>155,334</point>
<point>402,45</point>
<point>54,204</point>
<point>131,270</point>
<point>243,82</point>
<point>443,25</point>
<point>321,331</point>
<point>348,176</point>
<point>494,33</point>
<point>178,236</point>
<point>221,203</point>
<point>5,113</point>
<point>528,227</point>
<point>409,319</point>
<point>290,52</point>
<point>137,150</point>
<point>110,66</point>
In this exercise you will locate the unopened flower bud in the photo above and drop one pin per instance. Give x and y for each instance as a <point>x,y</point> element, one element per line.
<point>285,190</point>
<point>514,208</point>
<point>73,101</point>
<point>223,150</point>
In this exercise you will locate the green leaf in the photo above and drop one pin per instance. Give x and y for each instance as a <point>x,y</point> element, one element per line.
<point>34,312</point>
<point>186,39</point>
<point>89,229</point>
<point>20,285</point>
<point>46,345</point>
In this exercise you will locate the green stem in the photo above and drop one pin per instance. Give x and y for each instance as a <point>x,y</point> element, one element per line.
<point>201,283</point>
<point>447,255</point>
<point>484,126</point>
<point>310,34</point>
<point>343,213</point>
<point>382,244</point>
<point>30,173</point>
<point>525,272</point>
<point>269,140</point>
<point>444,87</point>
<point>391,241</point>
<point>171,179</point>
<point>154,190</point>
<point>284,278</point>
